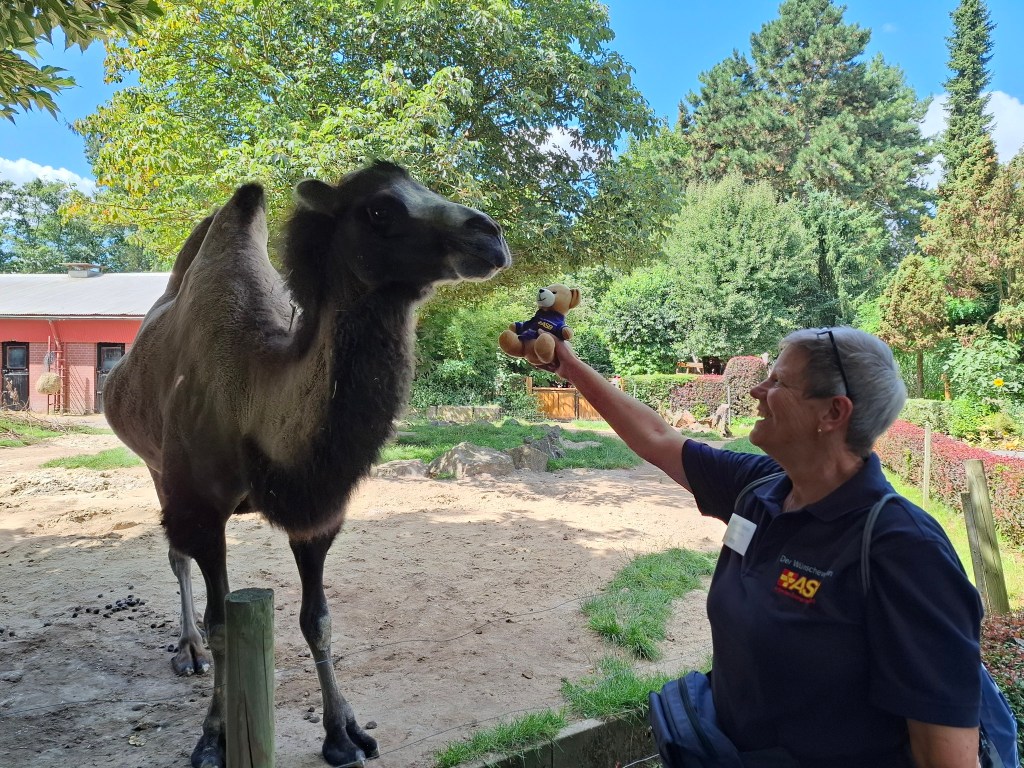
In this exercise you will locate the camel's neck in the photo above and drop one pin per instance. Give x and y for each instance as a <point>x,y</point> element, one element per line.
<point>352,362</point>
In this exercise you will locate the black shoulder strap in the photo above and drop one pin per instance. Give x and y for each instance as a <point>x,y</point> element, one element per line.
<point>754,484</point>
<point>865,542</point>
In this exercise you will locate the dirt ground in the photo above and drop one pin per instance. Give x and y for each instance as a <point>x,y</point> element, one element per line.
<point>455,605</point>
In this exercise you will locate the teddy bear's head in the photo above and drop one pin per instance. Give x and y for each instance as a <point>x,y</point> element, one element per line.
<point>558,298</point>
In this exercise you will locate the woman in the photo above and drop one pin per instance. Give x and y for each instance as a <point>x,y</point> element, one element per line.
<point>803,659</point>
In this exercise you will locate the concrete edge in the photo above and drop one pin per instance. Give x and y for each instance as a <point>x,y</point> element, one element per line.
<point>590,743</point>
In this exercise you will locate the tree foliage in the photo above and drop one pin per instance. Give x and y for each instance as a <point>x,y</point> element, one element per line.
<point>35,237</point>
<point>805,112</point>
<point>913,310</point>
<point>23,85</point>
<point>507,106</point>
<point>970,49</point>
<point>744,268</point>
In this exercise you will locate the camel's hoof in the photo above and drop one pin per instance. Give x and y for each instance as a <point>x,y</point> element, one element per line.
<point>209,753</point>
<point>191,659</point>
<point>351,755</point>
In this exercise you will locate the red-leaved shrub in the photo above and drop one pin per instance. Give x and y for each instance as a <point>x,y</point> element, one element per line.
<point>708,390</point>
<point>901,449</point>
<point>743,373</point>
<point>1003,653</point>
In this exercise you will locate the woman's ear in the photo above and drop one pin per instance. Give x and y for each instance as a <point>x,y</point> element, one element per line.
<point>837,416</point>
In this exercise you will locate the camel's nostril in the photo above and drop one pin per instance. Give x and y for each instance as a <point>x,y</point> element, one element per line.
<point>484,224</point>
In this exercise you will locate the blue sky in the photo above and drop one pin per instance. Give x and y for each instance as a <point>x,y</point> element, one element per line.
<point>668,42</point>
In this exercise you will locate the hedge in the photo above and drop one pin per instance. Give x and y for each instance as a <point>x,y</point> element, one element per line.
<point>901,449</point>
<point>655,389</point>
<point>707,390</point>
<point>742,373</point>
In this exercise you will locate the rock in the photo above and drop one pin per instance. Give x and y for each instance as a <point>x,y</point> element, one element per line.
<point>403,468</point>
<point>528,457</point>
<point>581,445</point>
<point>468,460</point>
<point>551,443</point>
<point>12,676</point>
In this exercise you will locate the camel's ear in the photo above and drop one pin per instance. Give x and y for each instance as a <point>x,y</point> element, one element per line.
<point>313,195</point>
<point>575,293</point>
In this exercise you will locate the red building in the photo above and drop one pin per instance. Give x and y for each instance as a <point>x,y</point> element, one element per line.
<point>74,325</point>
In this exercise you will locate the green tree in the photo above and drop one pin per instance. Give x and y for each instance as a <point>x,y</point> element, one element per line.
<point>507,106</point>
<point>964,142</point>
<point>744,269</point>
<point>23,84</point>
<point>36,237</point>
<point>806,112</point>
<point>637,194</point>
<point>643,319</point>
<point>913,310</point>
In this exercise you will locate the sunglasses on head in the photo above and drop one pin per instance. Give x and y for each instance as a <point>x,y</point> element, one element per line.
<point>839,359</point>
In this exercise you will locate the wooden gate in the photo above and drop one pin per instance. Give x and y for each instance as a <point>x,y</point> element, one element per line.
<point>564,403</point>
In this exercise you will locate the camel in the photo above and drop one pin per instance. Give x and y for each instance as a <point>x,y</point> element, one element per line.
<point>249,391</point>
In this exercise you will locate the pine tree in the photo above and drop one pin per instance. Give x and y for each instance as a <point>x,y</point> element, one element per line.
<point>806,112</point>
<point>964,145</point>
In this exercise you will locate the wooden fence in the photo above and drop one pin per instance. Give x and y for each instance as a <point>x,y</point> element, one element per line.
<point>564,403</point>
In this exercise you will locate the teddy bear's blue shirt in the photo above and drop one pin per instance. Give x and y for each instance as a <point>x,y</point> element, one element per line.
<point>545,320</point>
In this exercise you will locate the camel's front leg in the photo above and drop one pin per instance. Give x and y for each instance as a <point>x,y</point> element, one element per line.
<point>210,750</point>
<point>191,657</point>
<point>346,744</point>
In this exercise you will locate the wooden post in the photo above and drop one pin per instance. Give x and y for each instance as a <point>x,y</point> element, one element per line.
<point>981,511</point>
<point>926,469</point>
<point>249,715</point>
<point>974,544</point>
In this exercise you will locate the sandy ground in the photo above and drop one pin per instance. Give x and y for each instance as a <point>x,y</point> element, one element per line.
<point>455,605</point>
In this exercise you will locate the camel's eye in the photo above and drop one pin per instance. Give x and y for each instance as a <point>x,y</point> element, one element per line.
<point>383,213</point>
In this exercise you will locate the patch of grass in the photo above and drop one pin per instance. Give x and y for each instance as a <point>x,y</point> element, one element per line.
<point>17,431</point>
<point>21,428</point>
<point>504,738</point>
<point>634,609</point>
<point>743,445</point>
<point>114,458</point>
<point>615,689</point>
<point>427,441</point>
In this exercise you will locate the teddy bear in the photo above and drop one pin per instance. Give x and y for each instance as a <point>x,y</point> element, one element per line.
<point>534,339</point>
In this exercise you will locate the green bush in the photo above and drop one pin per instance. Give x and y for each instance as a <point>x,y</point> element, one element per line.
<point>655,389</point>
<point>967,417</point>
<point>933,412</point>
<point>974,369</point>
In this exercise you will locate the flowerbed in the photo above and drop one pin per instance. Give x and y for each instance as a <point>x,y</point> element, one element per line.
<point>901,449</point>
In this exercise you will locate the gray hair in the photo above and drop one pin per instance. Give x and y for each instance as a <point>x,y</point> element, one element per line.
<point>876,387</point>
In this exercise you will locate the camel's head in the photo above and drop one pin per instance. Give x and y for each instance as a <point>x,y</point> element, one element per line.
<point>388,228</point>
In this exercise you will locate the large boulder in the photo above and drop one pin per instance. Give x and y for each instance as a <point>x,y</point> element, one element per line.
<point>528,457</point>
<point>468,460</point>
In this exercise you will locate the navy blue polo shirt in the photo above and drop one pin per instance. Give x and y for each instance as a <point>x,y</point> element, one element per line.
<point>802,659</point>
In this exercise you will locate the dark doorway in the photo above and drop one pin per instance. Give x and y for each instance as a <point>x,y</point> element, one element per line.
<point>107,356</point>
<point>14,394</point>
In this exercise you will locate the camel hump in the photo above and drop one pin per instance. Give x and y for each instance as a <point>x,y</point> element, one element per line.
<point>187,254</point>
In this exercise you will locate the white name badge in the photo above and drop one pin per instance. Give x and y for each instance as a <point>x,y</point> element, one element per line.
<point>739,533</point>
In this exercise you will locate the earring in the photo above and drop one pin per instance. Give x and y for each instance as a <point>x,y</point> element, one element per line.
<point>819,430</point>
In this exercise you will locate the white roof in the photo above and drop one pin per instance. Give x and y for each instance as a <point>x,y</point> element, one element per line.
<point>115,295</point>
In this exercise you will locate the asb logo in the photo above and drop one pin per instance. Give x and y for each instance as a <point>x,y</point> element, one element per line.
<point>793,584</point>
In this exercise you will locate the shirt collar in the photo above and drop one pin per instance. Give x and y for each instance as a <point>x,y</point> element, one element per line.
<point>859,492</point>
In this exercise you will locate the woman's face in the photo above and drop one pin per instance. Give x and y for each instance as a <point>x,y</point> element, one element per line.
<point>787,415</point>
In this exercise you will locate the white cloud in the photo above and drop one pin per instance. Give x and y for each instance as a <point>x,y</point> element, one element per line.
<point>21,170</point>
<point>1007,128</point>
